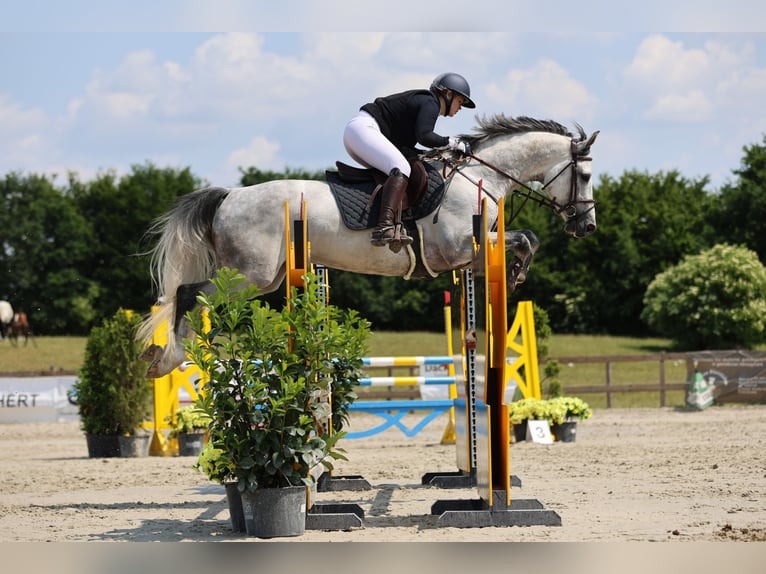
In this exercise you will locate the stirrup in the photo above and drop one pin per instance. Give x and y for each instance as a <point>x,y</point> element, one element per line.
<point>381,237</point>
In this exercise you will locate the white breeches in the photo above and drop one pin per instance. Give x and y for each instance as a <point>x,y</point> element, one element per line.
<point>366,144</point>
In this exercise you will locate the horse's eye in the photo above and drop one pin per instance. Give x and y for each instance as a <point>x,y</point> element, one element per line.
<point>585,177</point>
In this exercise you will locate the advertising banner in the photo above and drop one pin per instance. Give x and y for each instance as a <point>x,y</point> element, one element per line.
<point>732,376</point>
<point>37,399</point>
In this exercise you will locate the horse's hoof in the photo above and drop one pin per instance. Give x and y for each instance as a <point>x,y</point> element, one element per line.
<point>153,371</point>
<point>151,354</point>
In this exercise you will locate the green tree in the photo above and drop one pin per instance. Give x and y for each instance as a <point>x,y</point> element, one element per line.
<point>45,246</point>
<point>120,212</point>
<point>646,223</point>
<point>740,208</point>
<point>714,300</point>
<point>253,176</point>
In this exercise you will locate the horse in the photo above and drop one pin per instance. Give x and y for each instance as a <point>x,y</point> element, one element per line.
<point>20,326</point>
<point>6,316</point>
<point>244,227</point>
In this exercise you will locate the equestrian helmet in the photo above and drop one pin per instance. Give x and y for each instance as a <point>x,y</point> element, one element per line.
<point>456,83</point>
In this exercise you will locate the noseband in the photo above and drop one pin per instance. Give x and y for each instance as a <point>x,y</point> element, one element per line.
<point>569,209</point>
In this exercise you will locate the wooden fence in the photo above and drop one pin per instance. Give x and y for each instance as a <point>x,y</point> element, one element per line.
<point>611,387</point>
<point>660,383</point>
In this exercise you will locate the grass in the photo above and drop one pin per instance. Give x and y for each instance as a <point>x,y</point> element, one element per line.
<point>66,354</point>
<point>42,354</point>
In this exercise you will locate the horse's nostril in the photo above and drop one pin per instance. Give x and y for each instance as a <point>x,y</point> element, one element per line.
<point>591,228</point>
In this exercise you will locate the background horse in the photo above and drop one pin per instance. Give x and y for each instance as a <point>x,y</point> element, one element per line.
<point>243,227</point>
<point>20,326</point>
<point>6,316</point>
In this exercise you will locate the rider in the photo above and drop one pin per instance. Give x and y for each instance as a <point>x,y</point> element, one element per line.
<point>384,133</point>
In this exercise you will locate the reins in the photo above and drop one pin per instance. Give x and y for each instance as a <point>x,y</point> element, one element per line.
<point>521,189</point>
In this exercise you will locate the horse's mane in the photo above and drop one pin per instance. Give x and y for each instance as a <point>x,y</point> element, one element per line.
<point>500,124</point>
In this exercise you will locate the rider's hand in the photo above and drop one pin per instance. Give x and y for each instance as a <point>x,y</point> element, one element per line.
<point>456,144</point>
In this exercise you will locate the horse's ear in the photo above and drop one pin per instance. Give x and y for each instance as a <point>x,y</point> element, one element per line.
<point>582,147</point>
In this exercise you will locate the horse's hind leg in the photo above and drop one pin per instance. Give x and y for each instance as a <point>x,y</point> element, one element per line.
<point>162,360</point>
<point>186,300</point>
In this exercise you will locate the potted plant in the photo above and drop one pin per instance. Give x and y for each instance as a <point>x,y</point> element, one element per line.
<point>113,397</point>
<point>188,425</point>
<point>268,373</point>
<point>523,410</point>
<point>565,412</point>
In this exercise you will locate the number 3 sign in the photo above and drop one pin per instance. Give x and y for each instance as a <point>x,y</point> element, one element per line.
<point>539,432</point>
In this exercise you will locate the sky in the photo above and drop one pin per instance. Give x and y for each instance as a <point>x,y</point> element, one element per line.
<point>87,87</point>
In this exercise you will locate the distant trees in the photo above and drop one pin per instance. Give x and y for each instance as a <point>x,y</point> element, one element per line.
<point>46,244</point>
<point>73,253</point>
<point>738,215</point>
<point>646,223</point>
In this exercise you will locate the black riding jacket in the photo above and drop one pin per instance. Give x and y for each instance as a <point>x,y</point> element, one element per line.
<point>407,119</point>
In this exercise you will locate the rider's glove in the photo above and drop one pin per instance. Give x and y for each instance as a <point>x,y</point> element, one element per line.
<point>456,144</point>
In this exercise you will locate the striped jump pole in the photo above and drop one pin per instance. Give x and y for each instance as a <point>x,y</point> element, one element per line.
<point>405,381</point>
<point>416,361</point>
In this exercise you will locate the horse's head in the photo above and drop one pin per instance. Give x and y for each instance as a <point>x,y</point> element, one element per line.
<point>524,149</point>
<point>569,186</point>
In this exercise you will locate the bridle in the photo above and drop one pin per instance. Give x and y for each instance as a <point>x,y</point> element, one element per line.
<point>527,193</point>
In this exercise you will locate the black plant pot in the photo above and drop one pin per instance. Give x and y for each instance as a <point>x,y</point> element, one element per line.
<point>565,432</point>
<point>236,513</point>
<point>134,446</point>
<point>102,445</point>
<point>190,443</point>
<point>275,512</point>
<point>520,431</point>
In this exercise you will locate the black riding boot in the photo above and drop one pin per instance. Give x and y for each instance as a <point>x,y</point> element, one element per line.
<point>389,230</point>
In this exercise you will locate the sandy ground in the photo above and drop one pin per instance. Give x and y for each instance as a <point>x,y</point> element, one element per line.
<point>633,475</point>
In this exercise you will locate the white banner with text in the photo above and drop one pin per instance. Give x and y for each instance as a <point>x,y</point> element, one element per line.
<point>37,399</point>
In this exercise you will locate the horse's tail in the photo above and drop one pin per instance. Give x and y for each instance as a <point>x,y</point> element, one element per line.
<point>183,253</point>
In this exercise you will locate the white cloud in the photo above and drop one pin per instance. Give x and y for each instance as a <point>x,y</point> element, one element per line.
<point>544,90</point>
<point>693,106</point>
<point>23,138</point>
<point>260,152</point>
<point>15,118</point>
<point>660,63</point>
<point>675,83</point>
<point>233,75</point>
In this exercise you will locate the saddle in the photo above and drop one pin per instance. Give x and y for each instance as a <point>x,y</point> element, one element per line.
<point>355,191</point>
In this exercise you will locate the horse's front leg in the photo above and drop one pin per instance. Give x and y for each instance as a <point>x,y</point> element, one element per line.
<point>524,244</point>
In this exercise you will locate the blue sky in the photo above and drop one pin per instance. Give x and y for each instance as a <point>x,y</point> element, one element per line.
<point>86,87</point>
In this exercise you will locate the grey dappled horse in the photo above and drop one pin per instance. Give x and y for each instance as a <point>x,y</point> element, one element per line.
<point>243,227</point>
